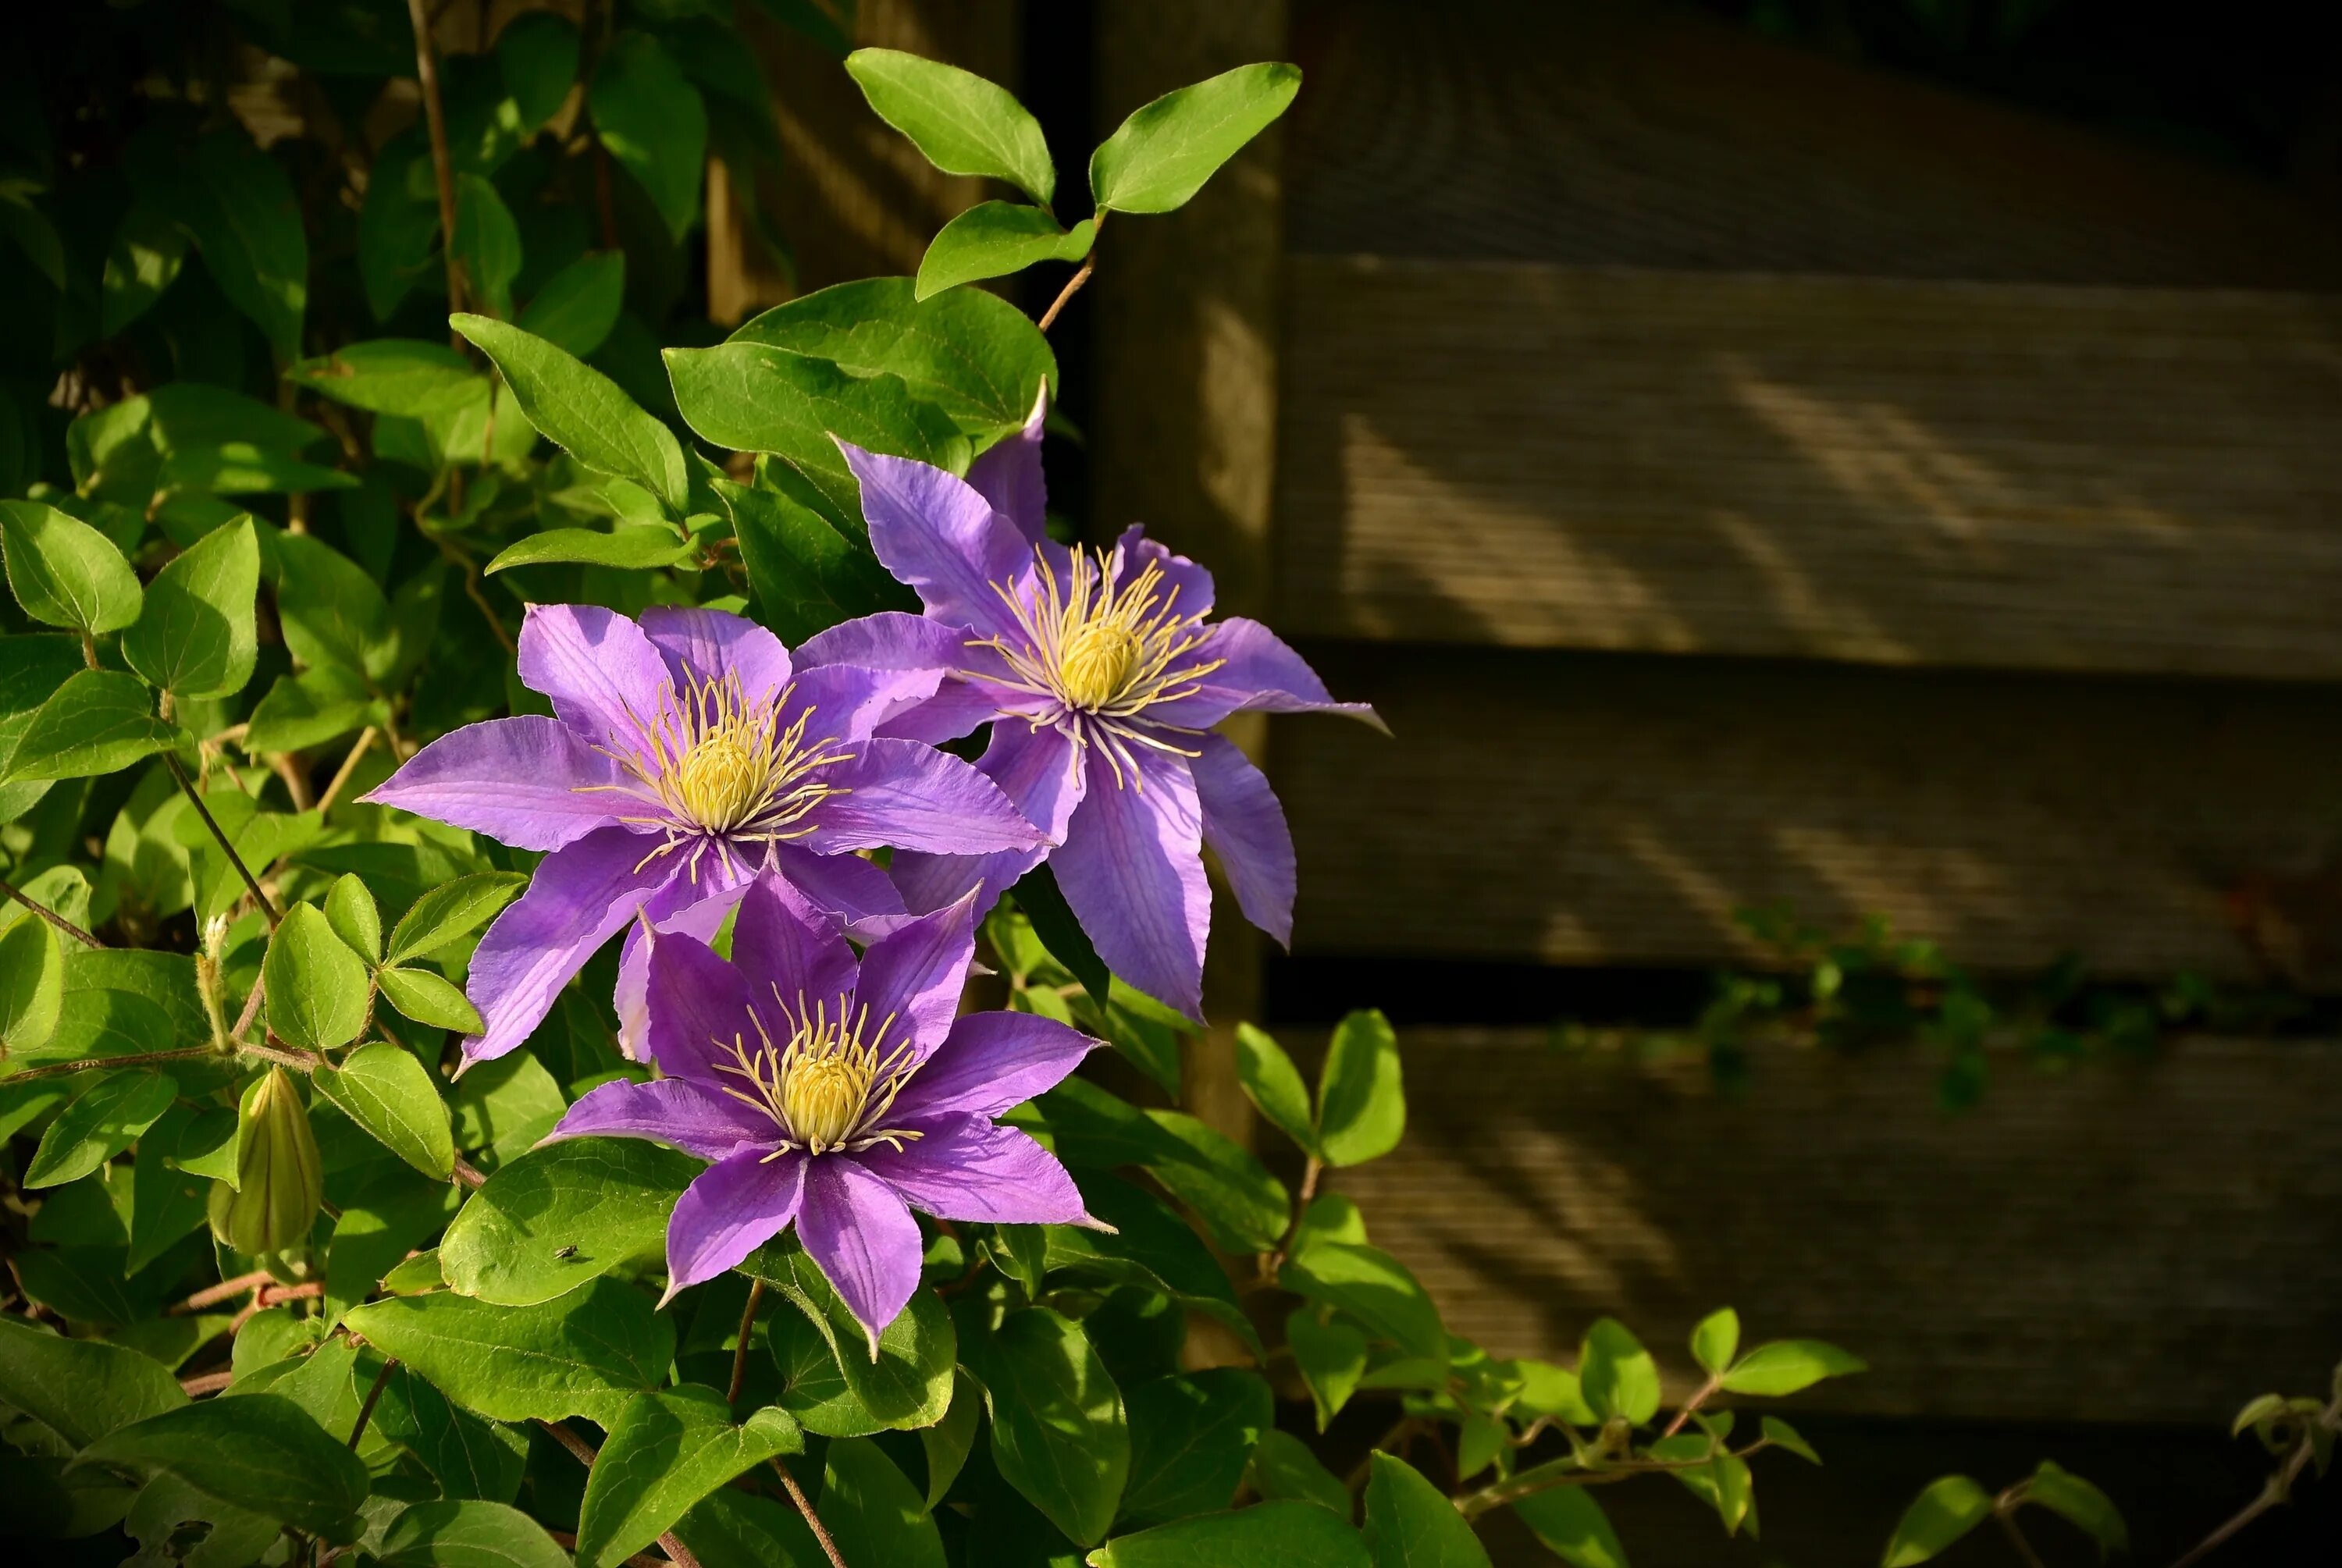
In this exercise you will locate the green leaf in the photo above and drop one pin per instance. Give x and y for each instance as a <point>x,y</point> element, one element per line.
<point>1787,1365</point>
<point>167,1200</point>
<point>504,1107</point>
<point>310,709</point>
<point>100,1123</point>
<point>464,1533</point>
<point>873,1513</point>
<point>429,998</point>
<point>470,1458</point>
<point>1410,1523</point>
<point>258,1452</point>
<point>80,1389</point>
<point>246,220</point>
<point>1274,1085</point>
<point>1283,1467</point>
<point>653,122</point>
<point>1573,1527</point>
<point>1716,1340</point>
<point>394,1210</point>
<point>971,354</point>
<point>1618,1376</point>
<point>1724,1484</point>
<point>1159,157</point>
<point>391,1096</point>
<point>536,56</point>
<point>948,1442</point>
<point>141,264</point>
<point>317,987</point>
<point>629,549</point>
<point>399,376</point>
<point>669,1448</point>
<point>1361,1102</point>
<point>398,225</point>
<point>1150,1247</point>
<point>32,984</point>
<point>451,911</point>
<point>350,911</point>
<point>195,637</point>
<point>586,1353</point>
<point>559,1215</point>
<point>241,468</point>
<point>487,244</point>
<point>1331,1357</point>
<point>332,612</point>
<point>1781,1434</point>
<point>574,309</point>
<point>1289,1535</point>
<point>1059,1434</point>
<point>582,410</point>
<point>1948,1508</point>
<point>2081,1505</point>
<point>807,577</point>
<point>735,1529</point>
<point>993,239</point>
<point>1190,1439</point>
<point>1372,1286</point>
<point>34,233</point>
<point>65,573</point>
<point>962,123</point>
<point>908,1383</point>
<point>751,397</point>
<point>1044,904</point>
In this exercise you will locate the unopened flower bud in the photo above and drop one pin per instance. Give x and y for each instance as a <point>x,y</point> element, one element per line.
<point>278,1174</point>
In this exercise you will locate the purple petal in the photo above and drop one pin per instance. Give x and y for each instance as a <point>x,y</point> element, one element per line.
<point>915,797</point>
<point>1040,772</point>
<point>682,907</point>
<point>787,951</point>
<point>1190,585</point>
<point>698,1008</point>
<point>862,1238</point>
<point>891,640</point>
<point>690,1116</point>
<point>1245,828</point>
<point>711,644</point>
<point>848,700</point>
<point>1009,474</point>
<point>966,1168</point>
<point>915,974</point>
<point>1257,672</point>
<point>583,895</point>
<point>847,889</point>
<point>991,1060</point>
<point>603,674</point>
<point>1132,869</point>
<point>734,1207</point>
<point>931,530</point>
<point>528,781</point>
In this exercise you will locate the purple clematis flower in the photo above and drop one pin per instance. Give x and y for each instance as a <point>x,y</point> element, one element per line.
<point>685,755</point>
<point>837,1097</point>
<point>1103,679</point>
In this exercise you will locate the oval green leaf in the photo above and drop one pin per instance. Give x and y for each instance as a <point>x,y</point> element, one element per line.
<point>1289,1535</point>
<point>317,987</point>
<point>390,1094</point>
<point>1059,1433</point>
<point>586,1353</point>
<point>197,637</point>
<point>668,1449</point>
<point>561,1215</point>
<point>1158,159</point>
<point>962,123</point>
<point>1947,1509</point>
<point>1410,1523</point>
<point>582,410</point>
<point>259,1452</point>
<point>429,998</point>
<point>63,572</point>
<point>1361,1099</point>
<point>992,239</point>
<point>1787,1365</point>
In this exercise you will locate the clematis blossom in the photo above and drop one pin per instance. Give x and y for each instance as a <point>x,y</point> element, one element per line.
<point>685,755</point>
<point>838,1095</point>
<point>1102,678</point>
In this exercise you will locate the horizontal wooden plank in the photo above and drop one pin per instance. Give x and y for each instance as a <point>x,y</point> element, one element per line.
<point>2152,1242</point>
<point>1612,809</point>
<point>1591,132</point>
<point>1890,471</point>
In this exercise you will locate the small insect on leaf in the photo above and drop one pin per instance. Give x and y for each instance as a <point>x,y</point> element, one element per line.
<point>565,1253</point>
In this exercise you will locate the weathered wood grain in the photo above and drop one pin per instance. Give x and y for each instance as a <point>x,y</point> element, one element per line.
<point>1896,472</point>
<point>2150,1241</point>
<point>1600,809</point>
<point>1607,132</point>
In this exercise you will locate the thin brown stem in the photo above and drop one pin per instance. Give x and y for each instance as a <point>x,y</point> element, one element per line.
<point>813,1519</point>
<point>187,787</point>
<point>1275,1259</point>
<point>367,737</point>
<point>224,1291</point>
<point>467,1175</point>
<point>2279,1486</point>
<point>282,1056</point>
<point>52,916</point>
<point>208,1383</point>
<point>1707,1391</point>
<point>1074,283</point>
<point>583,1452</point>
<point>136,1059</point>
<point>374,1394</point>
<point>89,650</point>
<point>442,167</point>
<point>2007,1515</point>
<point>747,1331</point>
<point>284,765</point>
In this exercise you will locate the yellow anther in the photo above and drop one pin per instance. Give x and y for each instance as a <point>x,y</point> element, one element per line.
<point>1097,662</point>
<point>822,1097</point>
<point>825,1087</point>
<point>720,783</point>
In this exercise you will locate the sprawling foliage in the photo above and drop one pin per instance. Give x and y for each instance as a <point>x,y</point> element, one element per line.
<point>303,1270</point>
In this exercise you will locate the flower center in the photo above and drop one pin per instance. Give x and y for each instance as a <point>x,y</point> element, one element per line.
<point>721,767</point>
<point>1103,651</point>
<point>827,1086</point>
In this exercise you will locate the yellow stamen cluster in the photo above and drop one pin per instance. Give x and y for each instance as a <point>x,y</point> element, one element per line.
<point>1107,651</point>
<point>827,1086</point>
<point>721,767</point>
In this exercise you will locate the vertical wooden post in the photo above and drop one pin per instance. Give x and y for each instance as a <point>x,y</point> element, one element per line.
<point>1184,426</point>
